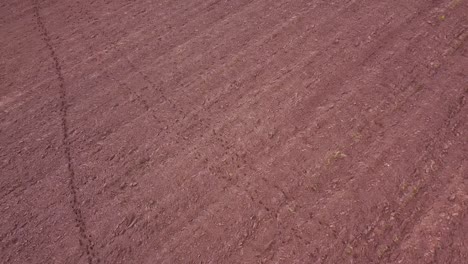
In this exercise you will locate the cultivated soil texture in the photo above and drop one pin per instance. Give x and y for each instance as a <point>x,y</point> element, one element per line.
<point>234,131</point>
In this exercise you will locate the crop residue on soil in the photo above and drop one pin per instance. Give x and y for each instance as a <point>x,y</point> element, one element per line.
<point>234,131</point>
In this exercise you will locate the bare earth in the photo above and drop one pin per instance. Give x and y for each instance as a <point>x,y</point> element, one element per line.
<point>216,131</point>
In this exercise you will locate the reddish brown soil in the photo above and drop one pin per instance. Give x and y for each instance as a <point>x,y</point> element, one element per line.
<point>265,131</point>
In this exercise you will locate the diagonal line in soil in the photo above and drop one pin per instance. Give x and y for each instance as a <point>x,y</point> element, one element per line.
<point>85,240</point>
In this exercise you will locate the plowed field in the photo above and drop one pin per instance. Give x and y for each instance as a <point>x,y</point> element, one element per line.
<point>216,131</point>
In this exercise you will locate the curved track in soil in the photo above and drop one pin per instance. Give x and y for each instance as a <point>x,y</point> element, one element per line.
<point>261,131</point>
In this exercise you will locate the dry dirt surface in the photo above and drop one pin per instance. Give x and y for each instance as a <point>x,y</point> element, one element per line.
<point>234,131</point>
